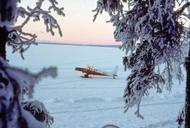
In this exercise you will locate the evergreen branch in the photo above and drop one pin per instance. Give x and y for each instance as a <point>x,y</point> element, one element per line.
<point>20,40</point>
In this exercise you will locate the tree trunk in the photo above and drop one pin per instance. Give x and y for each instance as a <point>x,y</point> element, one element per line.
<point>3,40</point>
<point>187,100</point>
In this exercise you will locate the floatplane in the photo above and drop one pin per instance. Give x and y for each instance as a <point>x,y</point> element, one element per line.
<point>90,70</point>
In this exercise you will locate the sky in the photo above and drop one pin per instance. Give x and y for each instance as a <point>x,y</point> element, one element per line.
<point>77,25</point>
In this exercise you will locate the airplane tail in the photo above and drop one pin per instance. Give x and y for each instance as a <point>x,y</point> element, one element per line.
<point>114,72</point>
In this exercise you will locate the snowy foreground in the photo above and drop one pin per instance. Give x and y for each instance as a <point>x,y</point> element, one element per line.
<point>92,103</point>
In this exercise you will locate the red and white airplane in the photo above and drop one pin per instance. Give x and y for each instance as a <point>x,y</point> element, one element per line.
<point>90,70</point>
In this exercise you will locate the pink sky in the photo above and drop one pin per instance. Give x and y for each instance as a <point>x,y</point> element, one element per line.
<point>77,26</point>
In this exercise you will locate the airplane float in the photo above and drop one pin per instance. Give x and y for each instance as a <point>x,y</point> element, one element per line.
<point>90,70</point>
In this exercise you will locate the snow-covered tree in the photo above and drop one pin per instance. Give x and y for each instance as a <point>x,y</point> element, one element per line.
<point>15,36</point>
<point>16,85</point>
<point>153,33</point>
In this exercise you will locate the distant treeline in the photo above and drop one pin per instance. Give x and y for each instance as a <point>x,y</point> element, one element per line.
<point>72,44</point>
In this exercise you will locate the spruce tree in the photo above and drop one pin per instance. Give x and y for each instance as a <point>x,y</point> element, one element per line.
<point>152,33</point>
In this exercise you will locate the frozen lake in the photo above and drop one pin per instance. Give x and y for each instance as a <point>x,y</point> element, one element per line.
<point>91,103</point>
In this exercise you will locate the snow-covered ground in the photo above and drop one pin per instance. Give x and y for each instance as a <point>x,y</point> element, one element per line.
<point>91,103</point>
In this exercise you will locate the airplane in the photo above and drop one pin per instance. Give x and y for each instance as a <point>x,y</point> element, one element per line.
<point>90,70</point>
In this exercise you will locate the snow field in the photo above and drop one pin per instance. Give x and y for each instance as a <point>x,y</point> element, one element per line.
<point>92,103</point>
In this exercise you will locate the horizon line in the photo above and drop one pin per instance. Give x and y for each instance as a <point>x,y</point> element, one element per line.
<point>76,44</point>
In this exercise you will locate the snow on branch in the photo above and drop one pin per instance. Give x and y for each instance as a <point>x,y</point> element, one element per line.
<point>110,6</point>
<point>55,8</point>
<point>39,111</point>
<point>21,40</point>
<point>14,85</point>
<point>151,35</point>
<point>37,13</point>
<point>27,80</point>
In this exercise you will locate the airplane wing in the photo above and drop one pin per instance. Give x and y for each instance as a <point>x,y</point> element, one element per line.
<point>92,71</point>
<point>89,71</point>
<point>83,70</point>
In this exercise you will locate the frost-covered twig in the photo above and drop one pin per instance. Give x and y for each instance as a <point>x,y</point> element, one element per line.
<point>138,112</point>
<point>111,6</point>
<point>37,13</point>
<point>55,8</point>
<point>99,9</point>
<point>21,40</point>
